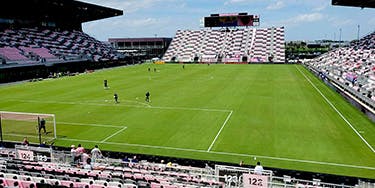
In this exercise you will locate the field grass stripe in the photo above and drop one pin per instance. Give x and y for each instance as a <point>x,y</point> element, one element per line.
<point>88,124</point>
<point>217,135</point>
<point>126,105</point>
<point>136,145</point>
<point>187,108</point>
<point>226,153</point>
<point>114,134</point>
<point>338,112</point>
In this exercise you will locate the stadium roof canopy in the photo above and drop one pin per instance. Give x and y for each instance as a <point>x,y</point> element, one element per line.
<point>56,10</point>
<point>355,3</point>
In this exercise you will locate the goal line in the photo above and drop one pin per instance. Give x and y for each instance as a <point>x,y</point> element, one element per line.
<point>41,125</point>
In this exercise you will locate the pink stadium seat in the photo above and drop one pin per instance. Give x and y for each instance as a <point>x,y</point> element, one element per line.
<point>81,185</point>
<point>26,184</point>
<point>66,183</point>
<point>155,185</point>
<point>10,182</point>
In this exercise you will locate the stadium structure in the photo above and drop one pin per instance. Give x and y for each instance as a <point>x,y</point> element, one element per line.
<point>231,44</point>
<point>35,43</point>
<point>50,39</point>
<point>141,48</point>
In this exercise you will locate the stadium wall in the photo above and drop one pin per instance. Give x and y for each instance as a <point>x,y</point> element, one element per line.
<point>364,106</point>
<point>229,63</point>
<point>35,72</point>
<point>329,178</point>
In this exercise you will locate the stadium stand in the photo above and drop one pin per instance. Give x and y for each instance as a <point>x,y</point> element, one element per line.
<point>351,67</point>
<point>13,54</point>
<point>33,44</point>
<point>112,172</point>
<point>228,45</point>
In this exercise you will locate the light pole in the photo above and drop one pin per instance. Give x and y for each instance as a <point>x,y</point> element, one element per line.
<point>358,28</point>
<point>340,37</point>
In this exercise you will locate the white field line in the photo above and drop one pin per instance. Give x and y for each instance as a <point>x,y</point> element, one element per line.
<point>21,135</point>
<point>27,113</point>
<point>224,153</point>
<point>217,135</point>
<point>135,106</point>
<point>137,102</point>
<point>88,124</point>
<point>112,135</point>
<point>337,111</point>
<point>294,160</point>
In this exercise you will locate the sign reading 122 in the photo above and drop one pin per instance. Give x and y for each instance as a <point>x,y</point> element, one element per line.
<point>26,155</point>
<point>255,181</point>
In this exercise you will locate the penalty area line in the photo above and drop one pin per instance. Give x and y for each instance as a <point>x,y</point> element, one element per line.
<point>87,124</point>
<point>217,135</point>
<point>114,134</point>
<point>337,111</point>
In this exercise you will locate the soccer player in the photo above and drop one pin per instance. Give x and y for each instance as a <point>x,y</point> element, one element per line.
<point>42,125</point>
<point>183,66</point>
<point>148,96</point>
<point>105,84</point>
<point>115,96</point>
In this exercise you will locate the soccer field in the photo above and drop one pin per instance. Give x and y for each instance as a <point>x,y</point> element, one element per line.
<point>280,114</point>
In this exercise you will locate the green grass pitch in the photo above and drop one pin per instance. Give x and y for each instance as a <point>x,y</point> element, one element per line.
<point>229,113</point>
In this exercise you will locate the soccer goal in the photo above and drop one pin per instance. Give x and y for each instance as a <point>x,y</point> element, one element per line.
<point>38,128</point>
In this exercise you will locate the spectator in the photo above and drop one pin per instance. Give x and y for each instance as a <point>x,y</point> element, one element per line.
<point>25,142</point>
<point>134,160</point>
<point>169,164</point>
<point>79,151</point>
<point>84,157</point>
<point>96,153</point>
<point>73,153</point>
<point>258,169</point>
<point>241,163</point>
<point>88,165</point>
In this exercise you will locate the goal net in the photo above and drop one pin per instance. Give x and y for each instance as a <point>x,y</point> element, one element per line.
<point>36,127</point>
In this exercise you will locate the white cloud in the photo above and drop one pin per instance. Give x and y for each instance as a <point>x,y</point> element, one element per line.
<point>339,22</point>
<point>276,5</point>
<point>304,18</point>
<point>238,1</point>
<point>130,6</point>
<point>321,7</point>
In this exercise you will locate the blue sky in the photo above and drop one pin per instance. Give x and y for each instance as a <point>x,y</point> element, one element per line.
<point>302,19</point>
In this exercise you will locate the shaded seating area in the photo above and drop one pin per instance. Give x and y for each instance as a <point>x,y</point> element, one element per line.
<point>44,45</point>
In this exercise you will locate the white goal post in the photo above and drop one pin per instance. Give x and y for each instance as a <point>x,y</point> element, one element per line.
<point>16,125</point>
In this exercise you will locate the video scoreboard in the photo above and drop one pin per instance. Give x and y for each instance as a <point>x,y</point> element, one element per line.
<point>231,20</point>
